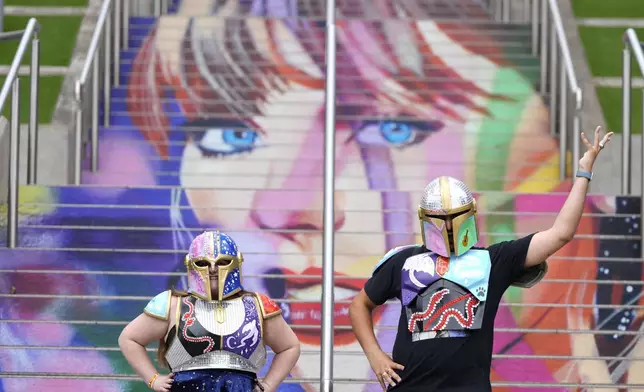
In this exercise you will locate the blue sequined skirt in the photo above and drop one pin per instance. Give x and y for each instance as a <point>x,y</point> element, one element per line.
<point>213,381</point>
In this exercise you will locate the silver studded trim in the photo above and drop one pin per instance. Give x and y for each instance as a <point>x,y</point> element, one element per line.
<point>217,360</point>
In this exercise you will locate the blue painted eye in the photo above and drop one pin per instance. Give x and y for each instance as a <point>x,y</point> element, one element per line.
<point>239,138</point>
<point>397,133</point>
<point>228,141</point>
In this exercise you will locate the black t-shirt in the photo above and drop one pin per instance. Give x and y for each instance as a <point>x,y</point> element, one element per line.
<point>449,364</point>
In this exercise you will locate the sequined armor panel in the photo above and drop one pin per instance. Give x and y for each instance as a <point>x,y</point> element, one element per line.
<point>444,306</point>
<point>445,297</point>
<point>217,335</point>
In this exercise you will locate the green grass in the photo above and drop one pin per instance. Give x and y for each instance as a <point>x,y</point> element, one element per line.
<point>57,39</point>
<point>47,3</point>
<point>611,102</point>
<point>603,47</point>
<point>606,8</point>
<point>49,89</point>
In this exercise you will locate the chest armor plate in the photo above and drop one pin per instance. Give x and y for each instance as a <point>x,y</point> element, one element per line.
<point>445,297</point>
<point>218,335</point>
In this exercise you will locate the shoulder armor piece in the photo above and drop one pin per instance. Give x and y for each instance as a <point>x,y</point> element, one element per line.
<point>159,306</point>
<point>390,254</point>
<point>269,307</point>
<point>531,276</point>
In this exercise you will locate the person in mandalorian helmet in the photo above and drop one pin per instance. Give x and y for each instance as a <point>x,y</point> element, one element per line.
<point>450,289</point>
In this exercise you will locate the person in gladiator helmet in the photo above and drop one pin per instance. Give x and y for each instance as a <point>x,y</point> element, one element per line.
<point>450,289</point>
<point>212,337</point>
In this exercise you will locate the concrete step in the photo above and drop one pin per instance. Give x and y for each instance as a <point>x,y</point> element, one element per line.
<point>284,135</point>
<point>441,81</point>
<point>36,198</point>
<point>63,380</point>
<point>36,10</point>
<point>505,40</point>
<point>317,9</point>
<point>518,61</point>
<point>133,238</point>
<point>256,183</point>
<point>42,284</point>
<point>256,175</point>
<point>76,214</point>
<point>70,308</point>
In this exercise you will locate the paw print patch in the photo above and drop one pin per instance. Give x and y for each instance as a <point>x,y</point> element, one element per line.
<point>480,292</point>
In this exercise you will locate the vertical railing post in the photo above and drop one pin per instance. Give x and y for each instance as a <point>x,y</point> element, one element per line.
<point>96,65</point>
<point>32,138</point>
<point>14,147</point>
<point>78,134</point>
<point>534,19</point>
<point>157,8</point>
<point>527,11</point>
<point>118,27</point>
<point>554,88</point>
<point>127,7</point>
<point>505,10</point>
<point>107,69</point>
<point>544,48</point>
<point>626,120</point>
<point>563,125</point>
<point>576,127</point>
<point>326,367</point>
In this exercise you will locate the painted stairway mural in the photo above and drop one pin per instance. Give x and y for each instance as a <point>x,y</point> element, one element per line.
<point>218,123</point>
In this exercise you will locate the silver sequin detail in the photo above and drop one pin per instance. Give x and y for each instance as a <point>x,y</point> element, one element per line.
<point>418,336</point>
<point>218,360</point>
<point>206,314</point>
<point>460,195</point>
<point>179,359</point>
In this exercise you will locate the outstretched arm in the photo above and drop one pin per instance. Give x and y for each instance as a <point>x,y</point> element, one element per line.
<point>283,341</point>
<point>545,243</point>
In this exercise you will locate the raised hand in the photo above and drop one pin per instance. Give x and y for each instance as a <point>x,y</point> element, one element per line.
<point>588,159</point>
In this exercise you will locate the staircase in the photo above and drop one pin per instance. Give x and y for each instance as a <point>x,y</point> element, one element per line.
<point>218,123</point>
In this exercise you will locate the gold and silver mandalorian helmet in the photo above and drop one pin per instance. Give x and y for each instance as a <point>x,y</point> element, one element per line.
<point>443,197</point>
<point>213,248</point>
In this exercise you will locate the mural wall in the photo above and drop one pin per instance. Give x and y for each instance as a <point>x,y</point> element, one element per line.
<point>220,124</point>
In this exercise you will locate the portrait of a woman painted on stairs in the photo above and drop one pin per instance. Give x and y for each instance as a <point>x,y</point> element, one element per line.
<point>228,114</point>
<point>231,98</point>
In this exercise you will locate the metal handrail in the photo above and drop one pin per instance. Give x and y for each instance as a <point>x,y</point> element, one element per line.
<point>113,17</point>
<point>558,79</point>
<point>328,299</point>
<point>92,67</point>
<point>12,83</point>
<point>632,45</point>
